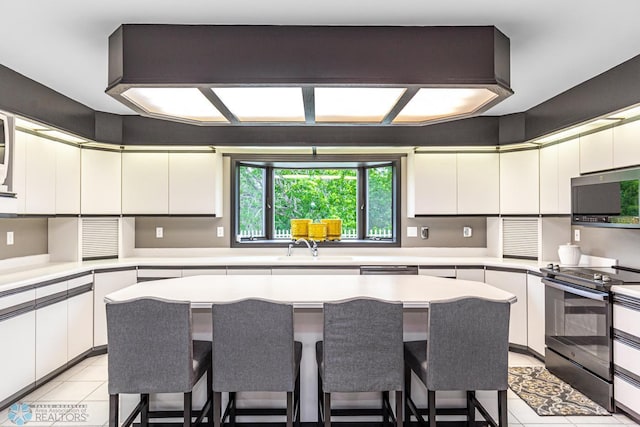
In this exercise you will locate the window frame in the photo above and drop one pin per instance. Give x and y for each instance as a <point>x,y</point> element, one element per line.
<point>361,162</point>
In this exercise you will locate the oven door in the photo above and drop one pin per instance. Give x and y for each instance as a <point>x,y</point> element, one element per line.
<point>578,326</point>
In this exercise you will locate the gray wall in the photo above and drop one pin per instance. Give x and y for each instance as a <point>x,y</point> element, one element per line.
<point>30,237</point>
<point>556,231</point>
<point>179,232</point>
<point>446,232</point>
<point>622,244</point>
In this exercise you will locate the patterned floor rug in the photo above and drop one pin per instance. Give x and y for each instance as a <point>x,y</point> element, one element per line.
<point>548,395</point>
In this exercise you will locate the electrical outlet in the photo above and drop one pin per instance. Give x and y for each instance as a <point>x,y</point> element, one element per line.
<point>9,238</point>
<point>424,233</point>
<point>412,231</point>
<point>220,231</point>
<point>467,231</point>
<point>159,232</point>
<point>576,235</point>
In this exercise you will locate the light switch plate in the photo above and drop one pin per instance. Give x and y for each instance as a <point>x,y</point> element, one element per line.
<point>159,232</point>
<point>576,235</point>
<point>220,231</point>
<point>424,233</point>
<point>9,238</point>
<point>467,231</point>
<point>412,231</point>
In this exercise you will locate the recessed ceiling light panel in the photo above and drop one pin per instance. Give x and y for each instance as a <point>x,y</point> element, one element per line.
<point>355,104</point>
<point>439,103</point>
<point>263,104</point>
<point>185,103</point>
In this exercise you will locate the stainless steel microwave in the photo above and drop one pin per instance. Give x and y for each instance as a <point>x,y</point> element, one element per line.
<point>609,199</point>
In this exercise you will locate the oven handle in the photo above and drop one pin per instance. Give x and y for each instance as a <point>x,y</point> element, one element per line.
<point>600,296</point>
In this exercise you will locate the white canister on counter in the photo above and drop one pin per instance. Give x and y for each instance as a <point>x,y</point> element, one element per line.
<point>569,254</point>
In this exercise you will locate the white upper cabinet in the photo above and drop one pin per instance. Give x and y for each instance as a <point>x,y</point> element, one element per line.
<point>626,144</point>
<point>519,182</point>
<point>478,180</point>
<point>145,183</point>
<point>549,179</point>
<point>67,179</point>
<point>100,182</point>
<point>40,177</point>
<point>568,167</point>
<point>195,183</point>
<point>435,176</point>
<point>596,151</point>
<point>19,167</point>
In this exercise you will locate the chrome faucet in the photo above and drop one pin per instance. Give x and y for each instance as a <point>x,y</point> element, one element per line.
<point>313,246</point>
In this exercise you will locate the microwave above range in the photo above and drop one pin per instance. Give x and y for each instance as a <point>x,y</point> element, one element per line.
<point>608,199</point>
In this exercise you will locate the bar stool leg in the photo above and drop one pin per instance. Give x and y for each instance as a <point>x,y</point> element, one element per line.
<point>290,409</point>
<point>217,403</point>
<point>407,396</point>
<point>399,408</point>
<point>144,410</point>
<point>471,409</point>
<point>187,410</point>
<point>114,401</point>
<point>431,401</point>
<point>503,418</point>
<point>327,409</point>
<point>385,413</point>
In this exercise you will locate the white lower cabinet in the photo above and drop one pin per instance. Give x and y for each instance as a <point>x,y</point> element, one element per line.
<point>104,283</point>
<point>535,314</point>
<point>438,272</point>
<point>475,274</point>
<point>516,283</point>
<point>18,355</point>
<point>626,353</point>
<point>316,271</point>
<point>79,324</point>
<point>51,338</point>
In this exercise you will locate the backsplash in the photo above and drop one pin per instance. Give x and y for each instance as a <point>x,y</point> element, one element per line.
<point>188,232</point>
<point>447,232</point>
<point>619,243</point>
<point>30,237</point>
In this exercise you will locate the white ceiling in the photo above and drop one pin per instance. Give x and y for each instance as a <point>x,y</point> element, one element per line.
<point>555,44</point>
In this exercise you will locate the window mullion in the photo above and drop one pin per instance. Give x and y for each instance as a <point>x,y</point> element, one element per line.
<point>362,203</point>
<point>268,204</point>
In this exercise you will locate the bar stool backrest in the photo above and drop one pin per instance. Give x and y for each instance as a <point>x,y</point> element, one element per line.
<point>253,348</point>
<point>150,347</point>
<point>362,346</point>
<point>468,345</point>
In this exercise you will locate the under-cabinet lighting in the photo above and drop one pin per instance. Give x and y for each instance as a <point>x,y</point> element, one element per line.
<point>263,104</point>
<point>575,131</point>
<point>355,104</point>
<point>625,114</point>
<point>24,124</point>
<point>186,103</point>
<point>438,103</point>
<point>61,135</point>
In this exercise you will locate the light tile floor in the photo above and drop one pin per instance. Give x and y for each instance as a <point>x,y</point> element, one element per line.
<point>86,383</point>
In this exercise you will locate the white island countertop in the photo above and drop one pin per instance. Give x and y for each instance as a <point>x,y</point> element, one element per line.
<point>310,291</point>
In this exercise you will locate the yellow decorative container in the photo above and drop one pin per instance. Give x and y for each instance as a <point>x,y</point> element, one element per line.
<point>318,232</point>
<point>334,228</point>
<point>300,228</point>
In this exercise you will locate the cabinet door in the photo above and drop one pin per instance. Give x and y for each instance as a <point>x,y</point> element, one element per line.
<point>19,166</point>
<point>535,314</point>
<point>626,149</point>
<point>549,180</point>
<point>478,183</point>
<point>79,317</point>
<point>435,184</point>
<point>516,283</point>
<point>519,182</point>
<point>568,167</point>
<point>596,151</point>
<point>194,183</point>
<point>67,179</point>
<point>40,178</point>
<point>315,271</point>
<point>145,183</point>
<point>18,357</point>
<point>100,182</point>
<point>475,274</point>
<point>51,338</point>
<point>103,284</point>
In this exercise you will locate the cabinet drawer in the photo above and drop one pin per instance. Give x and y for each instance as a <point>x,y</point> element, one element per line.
<point>55,288</point>
<point>17,299</point>
<point>626,357</point>
<point>626,320</point>
<point>438,272</point>
<point>80,281</point>
<point>626,393</point>
<point>160,273</point>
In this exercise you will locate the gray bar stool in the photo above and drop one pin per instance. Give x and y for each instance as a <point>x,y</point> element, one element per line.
<point>151,351</point>
<point>254,350</point>
<point>361,351</point>
<point>466,350</point>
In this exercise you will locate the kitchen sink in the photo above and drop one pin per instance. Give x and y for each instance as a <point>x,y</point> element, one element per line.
<point>319,258</point>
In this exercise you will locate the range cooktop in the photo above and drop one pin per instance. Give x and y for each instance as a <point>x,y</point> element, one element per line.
<point>593,278</point>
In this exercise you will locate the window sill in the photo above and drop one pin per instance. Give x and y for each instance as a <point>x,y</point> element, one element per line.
<point>327,244</point>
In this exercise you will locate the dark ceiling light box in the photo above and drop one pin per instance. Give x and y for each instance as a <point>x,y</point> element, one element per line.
<point>308,75</point>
